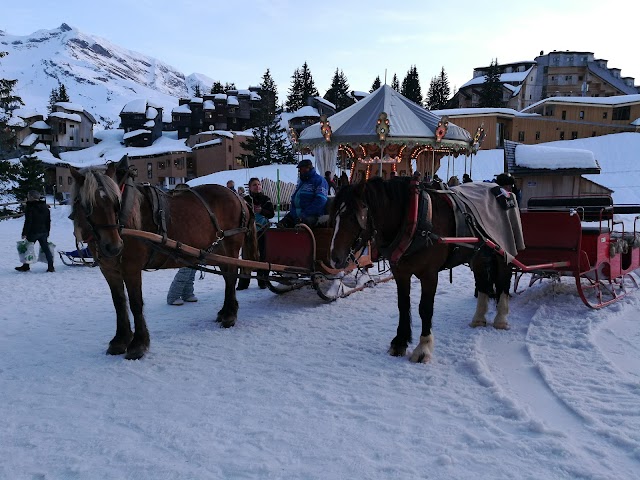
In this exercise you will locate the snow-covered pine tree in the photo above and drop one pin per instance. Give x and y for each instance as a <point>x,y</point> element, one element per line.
<point>30,176</point>
<point>308,86</point>
<point>197,91</point>
<point>294,96</point>
<point>491,91</point>
<point>411,86</point>
<point>269,143</point>
<point>217,87</point>
<point>375,85</point>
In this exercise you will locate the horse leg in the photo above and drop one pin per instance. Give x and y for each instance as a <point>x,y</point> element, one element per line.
<point>399,344</point>
<point>424,349</point>
<point>482,307</point>
<point>502,311</point>
<point>119,343</point>
<point>140,343</point>
<point>228,314</point>
<point>503,284</point>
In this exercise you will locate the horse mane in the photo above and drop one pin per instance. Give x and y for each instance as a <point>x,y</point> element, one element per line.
<point>379,194</point>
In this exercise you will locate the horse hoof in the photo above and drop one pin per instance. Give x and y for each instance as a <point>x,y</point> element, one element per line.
<point>421,358</point>
<point>116,349</point>
<point>227,323</point>
<point>478,322</point>
<point>395,351</point>
<point>501,326</point>
<point>136,353</point>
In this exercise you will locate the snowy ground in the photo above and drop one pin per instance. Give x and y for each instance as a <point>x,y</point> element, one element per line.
<point>301,389</point>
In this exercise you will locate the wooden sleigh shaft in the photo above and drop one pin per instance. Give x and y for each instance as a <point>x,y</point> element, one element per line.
<point>173,246</point>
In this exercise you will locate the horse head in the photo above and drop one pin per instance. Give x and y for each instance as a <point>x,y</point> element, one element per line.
<point>96,209</point>
<point>352,225</point>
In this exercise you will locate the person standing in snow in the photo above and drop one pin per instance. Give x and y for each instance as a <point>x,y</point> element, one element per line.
<point>37,224</point>
<point>181,289</point>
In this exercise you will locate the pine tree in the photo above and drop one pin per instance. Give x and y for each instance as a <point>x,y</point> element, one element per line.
<point>338,92</point>
<point>217,87</point>
<point>411,86</point>
<point>269,143</point>
<point>439,92</point>
<point>30,176</point>
<point>197,91</point>
<point>57,95</point>
<point>62,94</point>
<point>8,102</point>
<point>395,84</point>
<point>375,85</point>
<point>229,86</point>
<point>491,91</point>
<point>294,97</point>
<point>308,86</point>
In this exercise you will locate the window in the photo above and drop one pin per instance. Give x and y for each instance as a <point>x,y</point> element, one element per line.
<point>149,170</point>
<point>62,128</point>
<point>161,165</point>
<point>538,135</point>
<point>564,114</point>
<point>60,180</point>
<point>604,114</point>
<point>71,137</point>
<point>71,125</point>
<point>230,147</point>
<point>621,113</point>
<point>581,114</point>
<point>172,180</point>
<point>580,77</point>
<point>521,136</point>
<point>178,163</point>
<point>574,135</point>
<point>593,134</point>
<point>561,135</point>
<point>69,180</point>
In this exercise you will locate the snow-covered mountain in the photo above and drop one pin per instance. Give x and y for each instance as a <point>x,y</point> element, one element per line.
<point>100,76</point>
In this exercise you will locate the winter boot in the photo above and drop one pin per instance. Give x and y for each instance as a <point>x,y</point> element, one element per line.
<point>24,268</point>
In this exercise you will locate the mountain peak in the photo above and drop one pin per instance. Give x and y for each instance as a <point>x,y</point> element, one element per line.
<point>65,28</point>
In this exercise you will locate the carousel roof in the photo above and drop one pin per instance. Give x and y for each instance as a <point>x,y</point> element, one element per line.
<point>408,122</point>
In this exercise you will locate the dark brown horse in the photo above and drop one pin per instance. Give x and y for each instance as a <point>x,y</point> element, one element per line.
<point>376,210</point>
<point>208,217</point>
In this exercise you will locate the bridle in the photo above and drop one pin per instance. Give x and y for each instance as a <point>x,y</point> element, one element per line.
<point>365,224</point>
<point>88,211</point>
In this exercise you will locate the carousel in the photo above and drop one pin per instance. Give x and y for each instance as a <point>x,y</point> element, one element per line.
<point>386,134</point>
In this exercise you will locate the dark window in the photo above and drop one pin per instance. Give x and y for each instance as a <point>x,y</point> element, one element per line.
<point>69,180</point>
<point>229,148</point>
<point>604,114</point>
<point>60,180</point>
<point>561,135</point>
<point>149,170</point>
<point>621,113</point>
<point>593,134</point>
<point>161,165</point>
<point>537,135</point>
<point>172,180</point>
<point>581,114</point>
<point>521,136</point>
<point>564,114</point>
<point>574,135</point>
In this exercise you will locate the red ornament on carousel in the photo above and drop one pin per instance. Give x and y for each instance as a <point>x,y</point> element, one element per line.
<point>325,128</point>
<point>382,126</point>
<point>441,130</point>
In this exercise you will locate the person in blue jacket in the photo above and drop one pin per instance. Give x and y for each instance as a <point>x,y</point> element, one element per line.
<point>309,199</point>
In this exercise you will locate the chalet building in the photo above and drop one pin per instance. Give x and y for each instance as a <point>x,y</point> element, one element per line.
<point>567,74</point>
<point>216,151</point>
<point>309,114</point>
<point>71,128</point>
<point>141,121</point>
<point>233,110</point>
<point>552,119</point>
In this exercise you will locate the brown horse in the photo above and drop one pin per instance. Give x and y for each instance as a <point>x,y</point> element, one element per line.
<point>376,210</point>
<point>208,217</point>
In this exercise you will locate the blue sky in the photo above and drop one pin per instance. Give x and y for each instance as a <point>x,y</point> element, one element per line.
<point>238,41</point>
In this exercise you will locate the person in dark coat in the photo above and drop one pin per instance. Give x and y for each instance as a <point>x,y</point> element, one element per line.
<point>466,178</point>
<point>330,183</point>
<point>37,224</point>
<point>263,211</point>
<point>506,181</point>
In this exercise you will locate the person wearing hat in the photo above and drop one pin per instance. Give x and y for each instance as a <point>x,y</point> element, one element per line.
<point>309,198</point>
<point>466,178</point>
<point>506,181</point>
<point>37,224</point>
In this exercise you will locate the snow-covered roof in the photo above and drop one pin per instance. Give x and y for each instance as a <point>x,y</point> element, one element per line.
<point>72,117</point>
<point>326,102</point>
<point>220,96</point>
<point>29,140</point>
<point>614,100</point>
<point>246,93</point>
<point>220,133</point>
<point>482,111</point>
<point>138,106</point>
<point>215,141</point>
<point>17,122</point>
<point>636,122</point>
<point>232,100</point>
<point>209,105</point>
<point>70,107</point>
<point>40,147</point>
<point>135,133</point>
<point>306,111</point>
<point>152,113</point>
<point>149,124</point>
<point>255,96</point>
<point>40,125</point>
<point>181,109</point>
<point>513,77</point>
<point>25,113</point>
<point>196,100</point>
<point>553,158</point>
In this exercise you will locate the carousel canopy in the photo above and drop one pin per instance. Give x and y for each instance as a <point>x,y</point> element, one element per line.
<point>408,123</point>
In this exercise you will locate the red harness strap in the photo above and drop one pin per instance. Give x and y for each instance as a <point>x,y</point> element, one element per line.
<point>412,222</point>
